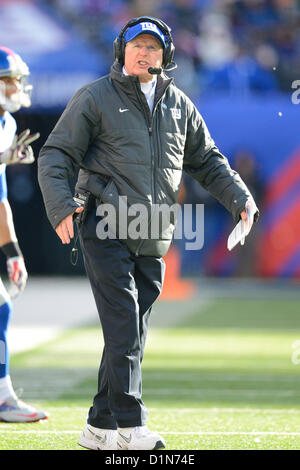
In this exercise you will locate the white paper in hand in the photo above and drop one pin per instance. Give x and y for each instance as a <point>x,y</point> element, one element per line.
<point>237,235</point>
<point>242,228</point>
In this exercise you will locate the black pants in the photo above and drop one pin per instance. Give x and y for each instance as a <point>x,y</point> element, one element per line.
<point>124,286</point>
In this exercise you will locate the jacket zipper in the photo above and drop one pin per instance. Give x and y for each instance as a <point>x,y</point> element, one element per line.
<point>153,164</point>
<point>157,137</point>
<point>149,126</point>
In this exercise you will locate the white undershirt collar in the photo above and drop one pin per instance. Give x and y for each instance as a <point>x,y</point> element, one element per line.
<point>148,88</point>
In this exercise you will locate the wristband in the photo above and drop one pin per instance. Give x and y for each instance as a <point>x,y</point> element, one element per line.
<point>11,250</point>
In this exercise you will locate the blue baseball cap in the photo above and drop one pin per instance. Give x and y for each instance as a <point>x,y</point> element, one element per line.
<point>145,27</point>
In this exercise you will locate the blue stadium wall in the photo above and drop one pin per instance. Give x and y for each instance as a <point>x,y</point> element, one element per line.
<point>269,127</point>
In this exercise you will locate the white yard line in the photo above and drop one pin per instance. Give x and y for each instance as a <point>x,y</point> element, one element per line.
<point>220,377</point>
<point>179,433</point>
<point>190,410</point>
<point>49,306</point>
<point>226,410</point>
<point>229,433</point>
<point>24,338</point>
<point>292,411</point>
<point>220,391</point>
<point>170,314</point>
<point>57,391</point>
<point>193,410</point>
<point>46,308</point>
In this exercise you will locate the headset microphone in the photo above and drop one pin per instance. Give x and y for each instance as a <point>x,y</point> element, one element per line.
<point>155,71</point>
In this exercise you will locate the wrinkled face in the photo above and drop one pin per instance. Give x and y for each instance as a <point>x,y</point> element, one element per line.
<point>143,52</point>
<point>9,86</point>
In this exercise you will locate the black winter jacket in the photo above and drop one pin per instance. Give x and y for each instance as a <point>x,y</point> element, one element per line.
<point>122,150</point>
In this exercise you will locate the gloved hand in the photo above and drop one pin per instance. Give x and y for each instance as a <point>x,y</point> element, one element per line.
<point>20,151</point>
<point>17,274</point>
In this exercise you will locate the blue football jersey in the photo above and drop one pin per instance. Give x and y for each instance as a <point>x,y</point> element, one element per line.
<point>3,184</point>
<point>8,129</point>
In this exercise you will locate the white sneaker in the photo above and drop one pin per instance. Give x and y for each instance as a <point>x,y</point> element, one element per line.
<point>98,439</point>
<point>14,410</point>
<point>139,438</point>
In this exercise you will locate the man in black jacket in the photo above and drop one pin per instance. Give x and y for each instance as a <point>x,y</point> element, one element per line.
<point>131,133</point>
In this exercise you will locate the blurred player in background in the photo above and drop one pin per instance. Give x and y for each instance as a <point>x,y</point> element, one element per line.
<point>14,93</point>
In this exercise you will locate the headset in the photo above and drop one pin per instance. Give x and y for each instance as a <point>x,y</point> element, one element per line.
<point>168,51</point>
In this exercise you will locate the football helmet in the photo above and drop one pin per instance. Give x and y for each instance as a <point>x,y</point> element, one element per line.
<point>11,65</point>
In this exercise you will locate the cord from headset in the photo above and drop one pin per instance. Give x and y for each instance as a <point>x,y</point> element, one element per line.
<point>74,251</point>
<point>82,199</point>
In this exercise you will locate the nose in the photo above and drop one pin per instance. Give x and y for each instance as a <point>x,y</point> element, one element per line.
<point>144,50</point>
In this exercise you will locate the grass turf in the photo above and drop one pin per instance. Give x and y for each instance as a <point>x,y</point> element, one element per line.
<point>223,379</point>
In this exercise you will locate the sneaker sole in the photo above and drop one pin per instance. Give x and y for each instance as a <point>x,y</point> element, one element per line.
<point>90,445</point>
<point>158,445</point>
<point>26,421</point>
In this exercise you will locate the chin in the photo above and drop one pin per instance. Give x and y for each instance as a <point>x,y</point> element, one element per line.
<point>143,71</point>
<point>145,77</point>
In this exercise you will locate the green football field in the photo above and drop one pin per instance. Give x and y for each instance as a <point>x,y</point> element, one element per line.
<point>227,377</point>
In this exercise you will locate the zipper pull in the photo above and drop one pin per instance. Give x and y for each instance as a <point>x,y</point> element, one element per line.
<point>150,130</point>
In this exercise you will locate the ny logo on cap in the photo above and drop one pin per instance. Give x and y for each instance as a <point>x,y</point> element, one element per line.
<point>152,27</point>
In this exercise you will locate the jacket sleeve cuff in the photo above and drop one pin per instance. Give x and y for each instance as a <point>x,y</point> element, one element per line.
<point>55,218</point>
<point>239,206</point>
